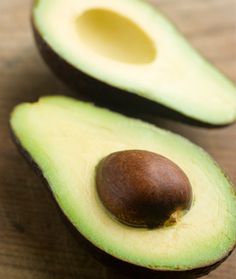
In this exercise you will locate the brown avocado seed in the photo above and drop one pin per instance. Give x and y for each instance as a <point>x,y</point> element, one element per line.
<point>142,188</point>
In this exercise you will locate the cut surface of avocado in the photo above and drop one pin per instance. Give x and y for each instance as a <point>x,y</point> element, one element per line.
<point>68,138</point>
<point>128,44</point>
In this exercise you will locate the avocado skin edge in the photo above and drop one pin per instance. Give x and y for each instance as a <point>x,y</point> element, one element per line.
<point>116,265</point>
<point>104,94</point>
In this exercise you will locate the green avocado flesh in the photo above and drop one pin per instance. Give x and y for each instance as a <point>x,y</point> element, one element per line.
<point>68,138</point>
<point>128,44</point>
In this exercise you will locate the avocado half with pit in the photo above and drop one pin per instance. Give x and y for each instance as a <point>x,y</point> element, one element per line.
<point>146,197</point>
<point>118,50</point>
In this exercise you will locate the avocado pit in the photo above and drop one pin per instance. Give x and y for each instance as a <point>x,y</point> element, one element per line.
<point>142,188</point>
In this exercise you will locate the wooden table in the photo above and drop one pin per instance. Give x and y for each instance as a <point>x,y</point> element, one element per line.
<point>34,243</point>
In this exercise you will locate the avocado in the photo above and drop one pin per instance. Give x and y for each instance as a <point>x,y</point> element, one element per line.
<point>87,154</point>
<point>124,50</point>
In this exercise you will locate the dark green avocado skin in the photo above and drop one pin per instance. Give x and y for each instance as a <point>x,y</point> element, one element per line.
<point>116,265</point>
<point>101,93</point>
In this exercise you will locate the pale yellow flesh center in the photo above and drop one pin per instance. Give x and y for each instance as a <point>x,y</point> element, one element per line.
<point>115,36</point>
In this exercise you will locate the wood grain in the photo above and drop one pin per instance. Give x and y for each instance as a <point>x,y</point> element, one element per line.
<point>34,243</point>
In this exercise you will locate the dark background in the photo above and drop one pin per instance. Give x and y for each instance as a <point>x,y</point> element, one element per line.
<point>34,243</point>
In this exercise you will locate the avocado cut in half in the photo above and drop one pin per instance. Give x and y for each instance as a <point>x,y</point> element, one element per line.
<point>113,49</point>
<point>67,139</point>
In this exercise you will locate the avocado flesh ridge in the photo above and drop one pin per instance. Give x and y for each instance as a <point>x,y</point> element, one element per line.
<point>178,78</point>
<point>67,139</point>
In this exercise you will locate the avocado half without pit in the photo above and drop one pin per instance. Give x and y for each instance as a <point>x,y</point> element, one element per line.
<point>143,189</point>
<point>121,50</point>
<point>150,199</point>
